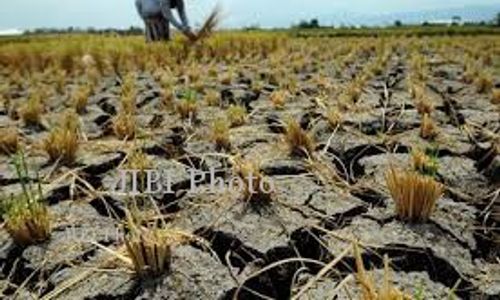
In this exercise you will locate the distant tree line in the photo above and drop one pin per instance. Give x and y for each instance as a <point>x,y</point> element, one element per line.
<point>455,21</point>
<point>304,24</point>
<point>75,30</point>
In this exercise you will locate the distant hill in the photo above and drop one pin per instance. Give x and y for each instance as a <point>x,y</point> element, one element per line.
<point>467,13</point>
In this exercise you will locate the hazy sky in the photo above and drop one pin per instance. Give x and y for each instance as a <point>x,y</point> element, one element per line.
<point>26,14</point>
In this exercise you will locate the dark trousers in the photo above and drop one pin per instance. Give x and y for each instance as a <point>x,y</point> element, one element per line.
<point>157,29</point>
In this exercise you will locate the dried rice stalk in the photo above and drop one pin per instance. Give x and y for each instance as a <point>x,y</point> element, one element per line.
<point>208,27</point>
<point>368,287</point>
<point>415,195</point>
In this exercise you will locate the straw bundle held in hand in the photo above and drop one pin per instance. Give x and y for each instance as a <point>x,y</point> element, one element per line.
<point>208,27</point>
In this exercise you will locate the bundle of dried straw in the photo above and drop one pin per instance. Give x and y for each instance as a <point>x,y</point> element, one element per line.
<point>208,27</point>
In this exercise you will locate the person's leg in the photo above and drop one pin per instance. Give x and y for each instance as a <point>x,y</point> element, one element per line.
<point>155,29</point>
<point>147,24</point>
<point>162,29</point>
<point>167,30</point>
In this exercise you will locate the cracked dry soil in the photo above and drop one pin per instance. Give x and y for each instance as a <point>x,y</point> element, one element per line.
<point>457,251</point>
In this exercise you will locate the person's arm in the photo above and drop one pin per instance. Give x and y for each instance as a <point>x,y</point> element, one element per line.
<point>138,6</point>
<point>167,13</point>
<point>181,8</point>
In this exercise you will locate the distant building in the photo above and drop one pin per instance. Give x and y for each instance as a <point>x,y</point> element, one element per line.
<point>445,22</point>
<point>10,32</point>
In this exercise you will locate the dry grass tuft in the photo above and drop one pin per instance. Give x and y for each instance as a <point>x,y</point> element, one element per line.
<point>256,190</point>
<point>150,251</point>
<point>428,129</point>
<point>369,290</point>
<point>127,102</point>
<point>193,74</point>
<point>415,89</point>
<point>80,98</point>
<point>128,85</point>
<point>423,163</point>
<point>166,79</point>
<point>27,219</point>
<point>167,98</point>
<point>4,98</point>
<point>324,84</point>
<point>495,96</point>
<point>4,103</point>
<point>424,106</point>
<point>484,83</point>
<point>150,248</point>
<point>278,98</point>
<point>60,78</point>
<point>124,126</point>
<point>334,117</point>
<point>220,134</point>
<point>299,141</point>
<point>62,142</point>
<point>257,86</point>
<point>237,115</point>
<point>124,123</point>
<point>487,59</point>
<point>471,71</point>
<point>138,160</point>
<point>422,101</point>
<point>291,84</point>
<point>415,195</point>
<point>227,77</point>
<point>353,92</point>
<point>128,94</point>
<point>212,98</point>
<point>31,111</point>
<point>418,66</point>
<point>187,107</point>
<point>9,141</point>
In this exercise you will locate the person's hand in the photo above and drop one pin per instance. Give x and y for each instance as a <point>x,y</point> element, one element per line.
<point>187,31</point>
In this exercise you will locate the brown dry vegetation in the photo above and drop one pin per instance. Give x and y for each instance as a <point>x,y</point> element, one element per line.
<point>428,128</point>
<point>31,111</point>
<point>256,189</point>
<point>484,83</point>
<point>278,98</point>
<point>299,142</point>
<point>415,195</point>
<point>495,96</point>
<point>80,98</point>
<point>237,115</point>
<point>62,143</point>
<point>219,134</point>
<point>26,216</point>
<point>124,125</point>
<point>331,122</point>
<point>187,107</point>
<point>423,163</point>
<point>9,140</point>
<point>370,291</point>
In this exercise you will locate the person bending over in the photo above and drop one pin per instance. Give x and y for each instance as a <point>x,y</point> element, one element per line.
<point>157,16</point>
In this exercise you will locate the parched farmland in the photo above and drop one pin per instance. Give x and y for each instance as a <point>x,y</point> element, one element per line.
<point>290,168</point>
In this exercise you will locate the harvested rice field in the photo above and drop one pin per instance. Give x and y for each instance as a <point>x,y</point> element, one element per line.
<point>250,166</point>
